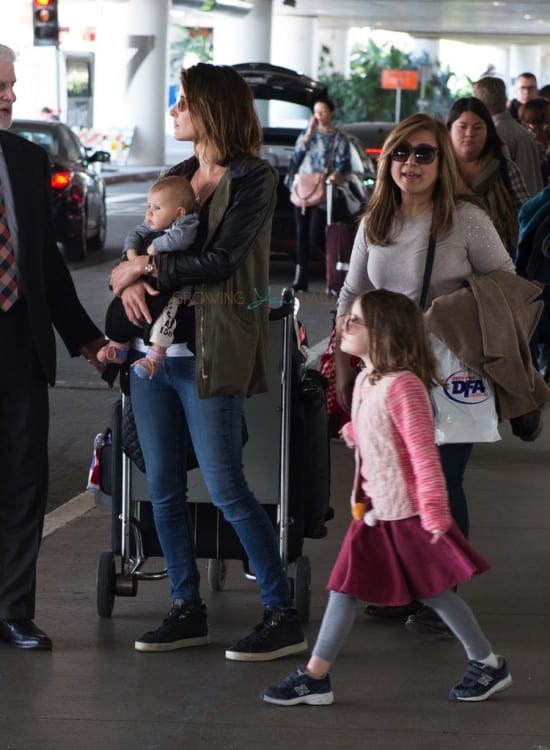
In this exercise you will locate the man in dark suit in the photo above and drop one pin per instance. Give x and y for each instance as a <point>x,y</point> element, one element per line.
<point>36,294</point>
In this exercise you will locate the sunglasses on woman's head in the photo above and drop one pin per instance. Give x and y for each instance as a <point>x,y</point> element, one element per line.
<point>423,153</point>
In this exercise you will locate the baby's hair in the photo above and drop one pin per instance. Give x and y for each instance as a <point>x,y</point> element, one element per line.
<point>397,339</point>
<point>180,187</point>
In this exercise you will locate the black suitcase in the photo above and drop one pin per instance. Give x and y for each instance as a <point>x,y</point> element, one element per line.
<point>309,468</point>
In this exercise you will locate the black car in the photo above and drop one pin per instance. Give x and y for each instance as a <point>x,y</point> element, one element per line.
<point>80,212</point>
<point>273,82</point>
<point>371,134</point>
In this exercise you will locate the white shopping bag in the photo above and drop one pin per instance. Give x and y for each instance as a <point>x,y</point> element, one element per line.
<point>464,407</point>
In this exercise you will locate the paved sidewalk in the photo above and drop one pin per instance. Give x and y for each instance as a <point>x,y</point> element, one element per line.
<point>95,691</point>
<point>129,174</point>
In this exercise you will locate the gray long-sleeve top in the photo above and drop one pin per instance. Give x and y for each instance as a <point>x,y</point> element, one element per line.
<point>472,246</point>
<point>179,236</point>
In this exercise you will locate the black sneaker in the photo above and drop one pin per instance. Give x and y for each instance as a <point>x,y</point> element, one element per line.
<point>279,634</point>
<point>425,620</point>
<point>185,626</point>
<point>480,681</point>
<point>297,688</point>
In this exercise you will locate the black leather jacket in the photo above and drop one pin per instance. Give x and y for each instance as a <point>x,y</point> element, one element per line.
<point>230,271</point>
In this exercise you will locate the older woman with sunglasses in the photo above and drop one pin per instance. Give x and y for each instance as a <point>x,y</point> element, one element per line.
<point>419,192</point>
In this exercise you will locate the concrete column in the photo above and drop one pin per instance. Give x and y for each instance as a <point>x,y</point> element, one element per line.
<point>336,39</point>
<point>147,63</point>
<point>111,55</point>
<point>294,44</point>
<point>243,38</point>
<point>419,46</point>
<point>525,58</point>
<point>247,38</point>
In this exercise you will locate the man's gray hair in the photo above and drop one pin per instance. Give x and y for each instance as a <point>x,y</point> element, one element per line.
<point>6,53</point>
<point>492,92</point>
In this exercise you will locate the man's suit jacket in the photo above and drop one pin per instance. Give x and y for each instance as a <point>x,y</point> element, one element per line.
<point>43,277</point>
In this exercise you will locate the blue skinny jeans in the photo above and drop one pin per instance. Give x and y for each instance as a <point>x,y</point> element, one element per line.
<point>454,459</point>
<point>168,412</point>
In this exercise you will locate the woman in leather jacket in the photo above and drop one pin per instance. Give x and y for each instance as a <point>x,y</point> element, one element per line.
<point>218,357</point>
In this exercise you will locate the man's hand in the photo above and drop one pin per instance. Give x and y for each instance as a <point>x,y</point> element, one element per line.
<point>90,350</point>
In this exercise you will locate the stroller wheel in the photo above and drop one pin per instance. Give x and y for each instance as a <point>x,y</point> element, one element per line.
<point>105,584</point>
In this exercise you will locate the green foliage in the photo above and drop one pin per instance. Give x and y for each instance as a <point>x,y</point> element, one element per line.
<point>360,96</point>
<point>187,41</point>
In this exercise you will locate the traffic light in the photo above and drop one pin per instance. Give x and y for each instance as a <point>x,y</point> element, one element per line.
<point>45,23</point>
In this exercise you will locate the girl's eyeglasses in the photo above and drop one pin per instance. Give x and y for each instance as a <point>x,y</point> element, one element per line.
<point>423,153</point>
<point>352,323</point>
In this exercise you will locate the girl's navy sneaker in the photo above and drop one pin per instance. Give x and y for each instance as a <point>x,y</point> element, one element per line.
<point>299,687</point>
<point>480,681</point>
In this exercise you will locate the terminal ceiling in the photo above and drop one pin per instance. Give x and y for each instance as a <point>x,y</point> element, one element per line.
<point>456,19</point>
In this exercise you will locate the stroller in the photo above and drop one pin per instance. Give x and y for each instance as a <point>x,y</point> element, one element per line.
<point>287,465</point>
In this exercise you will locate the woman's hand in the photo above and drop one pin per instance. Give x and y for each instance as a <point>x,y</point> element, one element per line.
<point>336,178</point>
<point>127,273</point>
<point>312,125</point>
<point>436,536</point>
<point>135,305</point>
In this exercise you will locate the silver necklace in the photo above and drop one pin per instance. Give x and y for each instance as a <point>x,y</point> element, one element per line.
<point>205,188</point>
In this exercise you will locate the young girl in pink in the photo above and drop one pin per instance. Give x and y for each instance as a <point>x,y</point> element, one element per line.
<point>402,544</point>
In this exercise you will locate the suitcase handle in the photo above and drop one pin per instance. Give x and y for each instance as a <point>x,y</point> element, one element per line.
<point>329,196</point>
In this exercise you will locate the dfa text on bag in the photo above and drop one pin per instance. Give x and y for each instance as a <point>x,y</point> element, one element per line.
<point>464,405</point>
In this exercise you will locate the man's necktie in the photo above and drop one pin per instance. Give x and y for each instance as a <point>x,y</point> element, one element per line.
<point>8,275</point>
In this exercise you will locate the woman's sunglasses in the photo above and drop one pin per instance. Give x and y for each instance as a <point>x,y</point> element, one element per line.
<point>423,153</point>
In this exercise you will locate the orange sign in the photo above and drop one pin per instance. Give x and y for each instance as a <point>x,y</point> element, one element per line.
<point>400,79</point>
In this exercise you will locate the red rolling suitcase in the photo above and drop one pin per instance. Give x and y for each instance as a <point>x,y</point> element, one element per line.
<point>338,245</point>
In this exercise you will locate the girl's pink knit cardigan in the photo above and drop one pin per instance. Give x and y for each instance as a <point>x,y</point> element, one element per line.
<point>397,468</point>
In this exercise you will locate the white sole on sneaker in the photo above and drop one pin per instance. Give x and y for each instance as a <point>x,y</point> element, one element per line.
<point>323,699</point>
<point>294,648</point>
<point>202,640</point>
<point>503,684</point>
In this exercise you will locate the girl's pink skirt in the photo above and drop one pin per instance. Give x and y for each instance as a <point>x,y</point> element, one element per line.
<point>394,562</point>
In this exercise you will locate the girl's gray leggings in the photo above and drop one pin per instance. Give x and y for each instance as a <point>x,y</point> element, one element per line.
<point>455,613</point>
